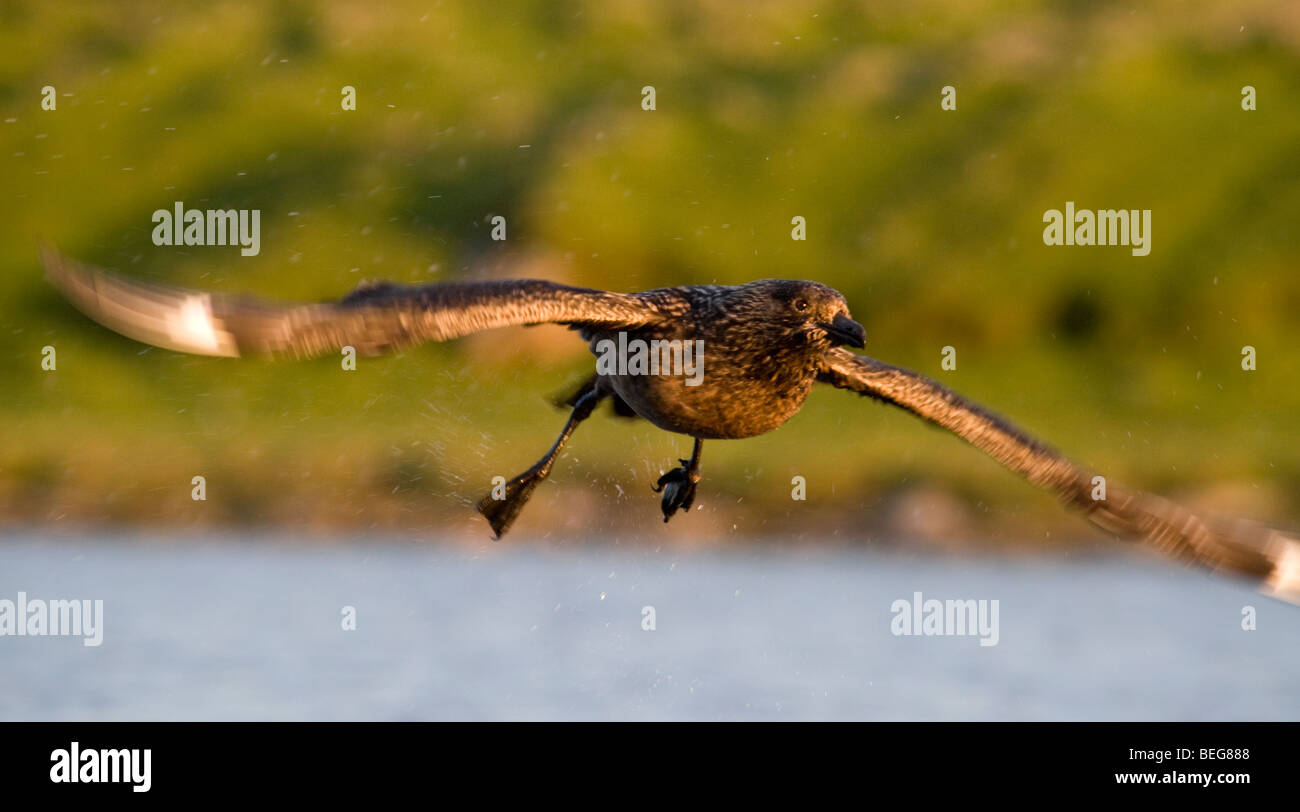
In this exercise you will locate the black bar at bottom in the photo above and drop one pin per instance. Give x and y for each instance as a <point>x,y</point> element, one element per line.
<point>209,761</point>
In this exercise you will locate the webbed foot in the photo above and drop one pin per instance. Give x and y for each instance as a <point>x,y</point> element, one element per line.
<point>501,513</point>
<point>678,487</point>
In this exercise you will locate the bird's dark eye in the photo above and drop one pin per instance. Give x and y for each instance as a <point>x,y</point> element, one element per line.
<point>800,304</point>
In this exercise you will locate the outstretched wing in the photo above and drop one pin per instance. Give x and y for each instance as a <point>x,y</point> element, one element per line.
<point>373,319</point>
<point>1256,551</point>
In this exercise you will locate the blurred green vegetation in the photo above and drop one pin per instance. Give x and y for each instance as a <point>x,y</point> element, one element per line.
<point>928,221</point>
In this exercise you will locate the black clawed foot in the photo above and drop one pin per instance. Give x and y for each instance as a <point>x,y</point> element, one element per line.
<point>502,512</point>
<point>678,486</point>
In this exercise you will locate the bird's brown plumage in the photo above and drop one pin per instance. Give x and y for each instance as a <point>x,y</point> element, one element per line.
<point>767,342</point>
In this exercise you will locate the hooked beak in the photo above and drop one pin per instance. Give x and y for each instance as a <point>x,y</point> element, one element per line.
<point>844,330</point>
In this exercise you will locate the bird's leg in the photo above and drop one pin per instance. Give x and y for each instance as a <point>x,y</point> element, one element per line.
<point>678,485</point>
<point>501,507</point>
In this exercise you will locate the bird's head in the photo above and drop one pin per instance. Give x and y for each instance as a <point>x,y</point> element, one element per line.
<point>811,310</point>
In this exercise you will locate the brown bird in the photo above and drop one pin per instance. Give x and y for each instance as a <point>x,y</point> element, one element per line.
<point>706,361</point>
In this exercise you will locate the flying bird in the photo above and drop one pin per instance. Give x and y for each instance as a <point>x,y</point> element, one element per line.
<point>765,344</point>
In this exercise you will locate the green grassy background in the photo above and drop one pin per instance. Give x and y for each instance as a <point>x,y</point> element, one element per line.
<point>928,221</point>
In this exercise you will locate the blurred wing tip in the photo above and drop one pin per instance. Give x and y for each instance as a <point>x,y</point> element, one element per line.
<point>173,319</point>
<point>1284,581</point>
<point>194,329</point>
<point>52,260</point>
